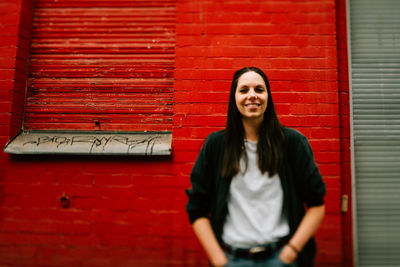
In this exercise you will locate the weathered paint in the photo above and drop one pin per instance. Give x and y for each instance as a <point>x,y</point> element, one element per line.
<point>101,65</point>
<point>90,143</point>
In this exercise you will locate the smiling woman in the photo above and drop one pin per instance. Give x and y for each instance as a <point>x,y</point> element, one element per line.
<point>244,123</point>
<point>250,183</point>
<point>251,98</point>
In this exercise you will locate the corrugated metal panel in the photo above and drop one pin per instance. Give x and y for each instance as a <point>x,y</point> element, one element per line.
<point>101,65</point>
<point>375,43</point>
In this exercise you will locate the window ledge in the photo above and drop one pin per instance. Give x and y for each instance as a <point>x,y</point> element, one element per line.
<point>90,143</point>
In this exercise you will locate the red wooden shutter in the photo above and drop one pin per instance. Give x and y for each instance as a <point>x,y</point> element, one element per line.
<point>101,65</point>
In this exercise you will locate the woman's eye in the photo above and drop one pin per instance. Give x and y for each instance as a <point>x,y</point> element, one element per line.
<point>259,89</point>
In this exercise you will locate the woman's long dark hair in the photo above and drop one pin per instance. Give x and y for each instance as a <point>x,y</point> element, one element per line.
<point>270,136</point>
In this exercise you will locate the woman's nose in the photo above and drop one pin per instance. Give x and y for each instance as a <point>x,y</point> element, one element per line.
<point>252,94</point>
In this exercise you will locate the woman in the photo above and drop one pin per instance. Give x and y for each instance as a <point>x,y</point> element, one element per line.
<point>250,183</point>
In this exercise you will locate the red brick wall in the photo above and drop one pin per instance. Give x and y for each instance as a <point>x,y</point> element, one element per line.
<point>15,29</point>
<point>130,211</point>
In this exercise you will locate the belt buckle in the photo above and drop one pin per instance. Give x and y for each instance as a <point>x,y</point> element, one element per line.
<point>255,250</point>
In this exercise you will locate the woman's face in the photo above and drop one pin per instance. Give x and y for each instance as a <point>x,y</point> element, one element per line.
<point>251,96</point>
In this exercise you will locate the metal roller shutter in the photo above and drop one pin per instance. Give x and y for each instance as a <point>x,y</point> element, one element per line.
<point>375,64</point>
<point>101,65</point>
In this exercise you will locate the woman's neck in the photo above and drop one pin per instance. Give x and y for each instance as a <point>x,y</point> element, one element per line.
<point>251,128</point>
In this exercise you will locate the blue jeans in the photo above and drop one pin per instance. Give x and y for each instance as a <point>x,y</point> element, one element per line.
<point>273,261</point>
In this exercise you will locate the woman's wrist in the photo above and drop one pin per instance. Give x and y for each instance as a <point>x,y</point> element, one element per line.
<point>219,260</point>
<point>293,247</point>
<point>288,255</point>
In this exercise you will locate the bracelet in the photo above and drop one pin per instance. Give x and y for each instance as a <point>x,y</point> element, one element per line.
<point>293,248</point>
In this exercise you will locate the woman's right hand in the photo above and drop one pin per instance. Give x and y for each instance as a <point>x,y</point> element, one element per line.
<point>203,230</point>
<point>219,261</point>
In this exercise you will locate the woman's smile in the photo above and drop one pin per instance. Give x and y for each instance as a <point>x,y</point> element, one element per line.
<point>252,105</point>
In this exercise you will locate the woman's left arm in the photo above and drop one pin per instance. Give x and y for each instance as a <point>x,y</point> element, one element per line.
<point>308,226</point>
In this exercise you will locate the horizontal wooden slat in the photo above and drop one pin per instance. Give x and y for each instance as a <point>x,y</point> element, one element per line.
<point>114,126</point>
<point>104,3</point>
<point>102,71</point>
<point>89,40</point>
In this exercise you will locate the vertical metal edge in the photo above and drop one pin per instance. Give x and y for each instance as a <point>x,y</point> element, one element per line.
<point>352,154</point>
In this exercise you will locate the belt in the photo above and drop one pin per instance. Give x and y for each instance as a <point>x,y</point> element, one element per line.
<point>257,252</point>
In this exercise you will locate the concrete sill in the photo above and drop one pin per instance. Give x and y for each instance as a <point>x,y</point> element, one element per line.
<point>90,143</point>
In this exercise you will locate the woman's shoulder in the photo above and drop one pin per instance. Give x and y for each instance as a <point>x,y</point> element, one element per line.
<point>294,137</point>
<point>214,143</point>
<point>216,137</point>
<point>292,133</point>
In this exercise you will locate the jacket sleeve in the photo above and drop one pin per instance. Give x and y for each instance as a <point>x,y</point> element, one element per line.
<point>309,179</point>
<point>198,204</point>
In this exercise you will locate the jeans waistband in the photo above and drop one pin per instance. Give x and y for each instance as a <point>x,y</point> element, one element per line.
<point>256,252</point>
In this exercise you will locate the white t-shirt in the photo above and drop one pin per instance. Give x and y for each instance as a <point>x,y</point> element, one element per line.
<point>255,204</point>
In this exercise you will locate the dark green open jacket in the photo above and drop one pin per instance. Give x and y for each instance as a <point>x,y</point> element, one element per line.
<point>300,178</point>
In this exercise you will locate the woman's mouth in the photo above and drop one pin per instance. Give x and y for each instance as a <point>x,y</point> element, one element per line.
<point>252,105</point>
